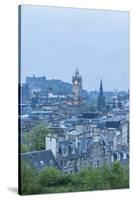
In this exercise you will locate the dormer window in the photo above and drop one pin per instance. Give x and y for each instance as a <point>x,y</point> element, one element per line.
<point>41,162</point>
<point>124,155</point>
<point>64,150</point>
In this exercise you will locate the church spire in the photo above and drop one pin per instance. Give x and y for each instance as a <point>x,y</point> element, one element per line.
<point>101,98</point>
<point>101,87</point>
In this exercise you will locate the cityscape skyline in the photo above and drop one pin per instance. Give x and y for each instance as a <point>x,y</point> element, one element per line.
<point>96,89</point>
<point>99,50</point>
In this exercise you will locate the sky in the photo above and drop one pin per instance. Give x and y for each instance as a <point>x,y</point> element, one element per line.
<point>55,41</point>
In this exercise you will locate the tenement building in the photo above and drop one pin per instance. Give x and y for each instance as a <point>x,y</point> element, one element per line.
<point>91,144</point>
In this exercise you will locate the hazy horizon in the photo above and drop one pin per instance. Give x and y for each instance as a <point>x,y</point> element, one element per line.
<point>55,41</point>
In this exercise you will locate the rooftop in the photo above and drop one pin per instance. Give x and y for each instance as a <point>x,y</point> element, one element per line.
<point>40,159</point>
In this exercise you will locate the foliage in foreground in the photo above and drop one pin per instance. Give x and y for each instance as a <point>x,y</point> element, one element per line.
<point>51,180</point>
<point>35,139</point>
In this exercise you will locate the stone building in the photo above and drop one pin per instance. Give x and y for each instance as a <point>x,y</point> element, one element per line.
<point>91,144</point>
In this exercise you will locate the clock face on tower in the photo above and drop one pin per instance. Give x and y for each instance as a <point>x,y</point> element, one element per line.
<point>76,82</point>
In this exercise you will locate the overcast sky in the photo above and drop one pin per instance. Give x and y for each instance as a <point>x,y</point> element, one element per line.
<point>54,41</point>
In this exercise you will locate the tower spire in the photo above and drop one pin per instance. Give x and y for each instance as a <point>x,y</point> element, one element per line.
<point>101,98</point>
<point>101,87</point>
<point>76,72</point>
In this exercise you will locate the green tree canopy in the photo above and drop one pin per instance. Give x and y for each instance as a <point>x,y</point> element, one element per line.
<point>36,137</point>
<point>24,148</point>
<point>28,178</point>
<point>50,176</point>
<point>118,176</point>
<point>52,180</point>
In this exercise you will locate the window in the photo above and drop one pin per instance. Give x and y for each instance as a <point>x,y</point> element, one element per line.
<point>41,162</point>
<point>118,156</point>
<point>65,164</point>
<point>124,155</point>
<point>97,163</point>
<point>84,156</point>
<point>112,158</point>
<point>64,150</point>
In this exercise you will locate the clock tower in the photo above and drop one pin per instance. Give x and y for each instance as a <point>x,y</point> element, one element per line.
<point>76,84</point>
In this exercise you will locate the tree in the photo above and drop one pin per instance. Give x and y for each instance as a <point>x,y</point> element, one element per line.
<point>92,179</point>
<point>50,176</point>
<point>118,176</point>
<point>24,148</point>
<point>52,180</point>
<point>27,179</point>
<point>36,137</point>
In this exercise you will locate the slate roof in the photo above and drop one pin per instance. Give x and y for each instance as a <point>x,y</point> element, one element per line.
<point>89,115</point>
<point>86,144</point>
<point>113,124</point>
<point>101,124</point>
<point>65,142</point>
<point>40,159</point>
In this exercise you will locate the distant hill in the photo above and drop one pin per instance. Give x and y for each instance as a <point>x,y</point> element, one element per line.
<point>56,86</point>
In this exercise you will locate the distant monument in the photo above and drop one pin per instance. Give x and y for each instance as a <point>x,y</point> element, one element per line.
<point>76,85</point>
<point>101,99</point>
